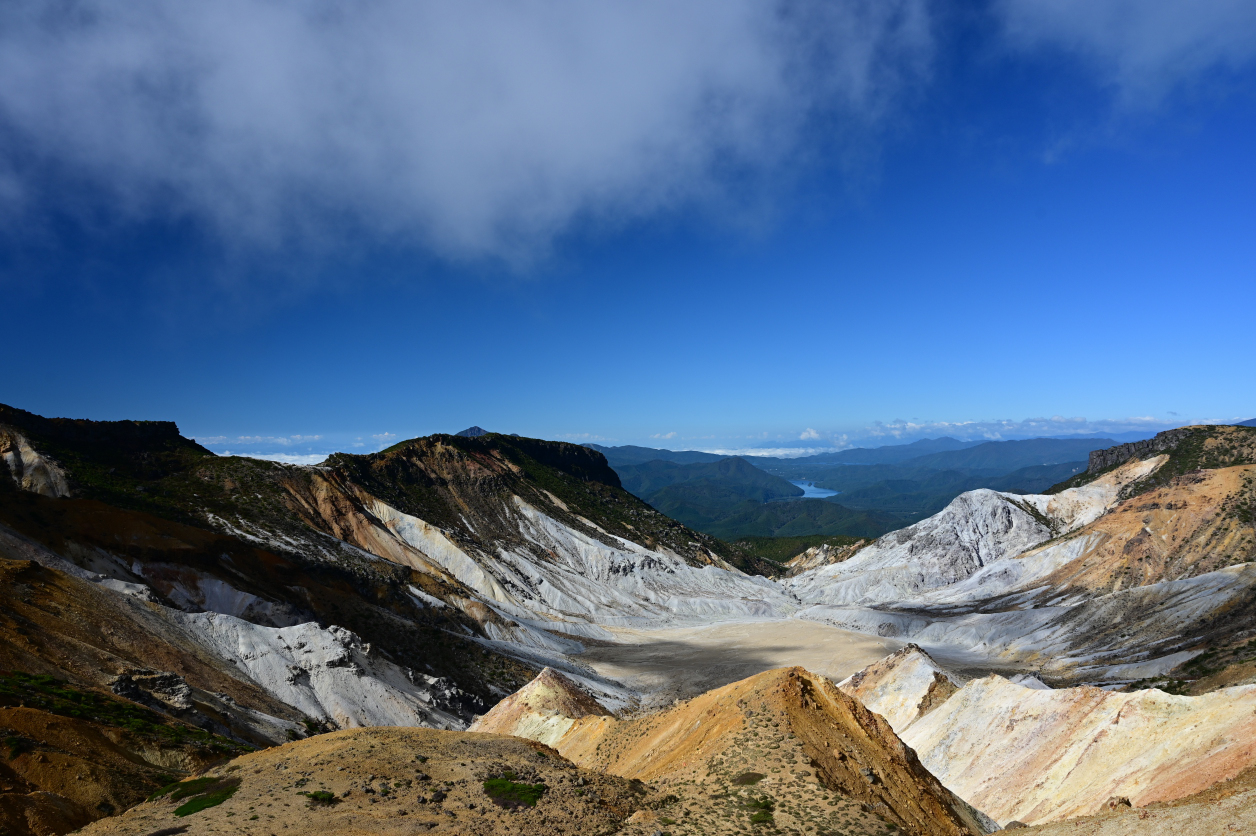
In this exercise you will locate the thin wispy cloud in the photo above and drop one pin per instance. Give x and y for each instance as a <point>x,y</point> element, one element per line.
<point>479,129</point>
<point>1143,50</point>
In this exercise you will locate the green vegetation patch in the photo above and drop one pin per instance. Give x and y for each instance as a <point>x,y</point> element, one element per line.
<point>209,799</point>
<point>762,808</point>
<point>203,793</point>
<point>784,549</point>
<point>50,694</point>
<point>182,789</point>
<point>18,745</point>
<point>510,794</point>
<point>321,798</point>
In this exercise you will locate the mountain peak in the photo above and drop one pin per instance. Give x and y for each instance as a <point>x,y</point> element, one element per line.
<point>902,687</point>
<point>472,432</point>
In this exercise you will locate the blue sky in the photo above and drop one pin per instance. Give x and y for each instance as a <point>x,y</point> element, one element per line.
<point>720,225</point>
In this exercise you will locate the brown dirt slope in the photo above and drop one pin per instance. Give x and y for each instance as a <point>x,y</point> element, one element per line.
<point>401,781</point>
<point>1197,523</point>
<point>60,773</point>
<point>786,737</point>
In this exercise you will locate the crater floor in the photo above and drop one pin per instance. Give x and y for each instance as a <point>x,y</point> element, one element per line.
<point>683,662</point>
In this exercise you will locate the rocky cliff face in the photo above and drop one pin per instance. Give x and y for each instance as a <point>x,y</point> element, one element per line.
<point>1167,440</point>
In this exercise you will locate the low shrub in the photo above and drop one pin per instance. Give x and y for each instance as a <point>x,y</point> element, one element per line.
<point>509,794</point>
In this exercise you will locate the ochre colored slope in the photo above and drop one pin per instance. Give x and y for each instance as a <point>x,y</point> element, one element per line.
<point>1200,522</point>
<point>794,729</point>
<point>543,710</point>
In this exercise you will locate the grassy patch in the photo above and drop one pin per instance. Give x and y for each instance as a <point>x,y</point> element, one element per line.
<point>321,798</point>
<point>18,745</point>
<point>182,789</point>
<point>204,792</point>
<point>510,794</point>
<point>762,808</point>
<point>204,802</point>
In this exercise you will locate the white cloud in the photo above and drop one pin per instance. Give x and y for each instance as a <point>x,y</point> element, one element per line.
<point>482,128</point>
<point>664,436</point>
<point>1144,48</point>
<point>283,441</point>
<point>809,435</point>
<point>384,437</point>
<point>774,452</point>
<point>577,438</point>
<point>287,458</point>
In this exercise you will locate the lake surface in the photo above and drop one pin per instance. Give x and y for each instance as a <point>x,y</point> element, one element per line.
<point>810,491</point>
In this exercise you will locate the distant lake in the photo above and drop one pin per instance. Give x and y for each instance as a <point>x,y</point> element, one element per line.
<point>810,491</point>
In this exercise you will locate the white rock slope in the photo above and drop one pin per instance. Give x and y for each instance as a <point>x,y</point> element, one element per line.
<point>1034,755</point>
<point>327,673</point>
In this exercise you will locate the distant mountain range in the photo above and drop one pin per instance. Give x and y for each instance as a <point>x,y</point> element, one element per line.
<point>879,489</point>
<point>630,455</point>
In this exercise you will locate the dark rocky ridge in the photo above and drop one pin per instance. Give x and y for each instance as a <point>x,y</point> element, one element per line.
<point>1167,440</point>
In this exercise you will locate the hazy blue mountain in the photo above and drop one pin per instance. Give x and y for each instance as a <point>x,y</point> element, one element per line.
<point>1251,422</point>
<point>1119,438</point>
<point>1007,456</point>
<point>737,499</point>
<point>630,455</point>
<point>720,483</point>
<point>919,492</point>
<point>792,518</point>
<point>1037,478</point>
<point>881,455</point>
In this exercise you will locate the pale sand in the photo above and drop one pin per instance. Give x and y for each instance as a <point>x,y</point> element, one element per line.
<point>683,662</point>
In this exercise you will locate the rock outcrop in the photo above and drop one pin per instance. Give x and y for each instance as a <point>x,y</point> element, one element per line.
<point>902,687</point>
<point>543,710</point>
<point>1167,440</point>
<point>31,470</point>
<point>824,554</point>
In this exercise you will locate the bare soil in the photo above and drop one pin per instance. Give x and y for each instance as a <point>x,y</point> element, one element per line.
<point>681,663</point>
